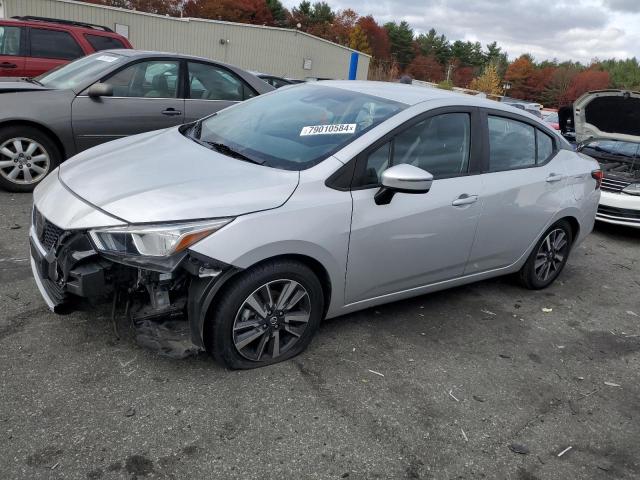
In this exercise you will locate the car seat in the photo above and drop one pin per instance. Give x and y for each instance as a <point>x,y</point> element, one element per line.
<point>160,87</point>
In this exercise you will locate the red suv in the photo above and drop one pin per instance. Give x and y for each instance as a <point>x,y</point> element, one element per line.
<point>30,46</point>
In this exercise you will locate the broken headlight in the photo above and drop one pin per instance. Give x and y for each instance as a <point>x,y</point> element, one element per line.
<point>153,240</point>
<point>633,189</point>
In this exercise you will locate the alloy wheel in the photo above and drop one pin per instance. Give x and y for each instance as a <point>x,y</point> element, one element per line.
<point>23,160</point>
<point>271,320</point>
<point>551,254</point>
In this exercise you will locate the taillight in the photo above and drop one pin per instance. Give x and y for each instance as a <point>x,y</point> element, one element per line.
<point>597,175</point>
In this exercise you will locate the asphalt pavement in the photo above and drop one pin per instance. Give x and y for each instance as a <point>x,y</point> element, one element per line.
<point>483,381</point>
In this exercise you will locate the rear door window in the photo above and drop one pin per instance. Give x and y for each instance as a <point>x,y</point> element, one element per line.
<point>545,146</point>
<point>512,144</point>
<point>10,38</point>
<point>46,43</point>
<point>99,42</point>
<point>210,82</point>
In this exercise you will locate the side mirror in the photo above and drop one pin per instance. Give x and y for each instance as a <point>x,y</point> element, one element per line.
<point>404,179</point>
<point>100,90</point>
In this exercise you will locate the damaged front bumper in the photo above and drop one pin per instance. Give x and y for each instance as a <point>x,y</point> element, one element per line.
<point>67,268</point>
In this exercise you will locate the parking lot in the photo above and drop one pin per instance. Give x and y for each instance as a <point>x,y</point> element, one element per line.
<point>441,386</point>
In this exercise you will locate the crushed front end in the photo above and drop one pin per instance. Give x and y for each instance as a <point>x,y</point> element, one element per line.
<point>72,265</point>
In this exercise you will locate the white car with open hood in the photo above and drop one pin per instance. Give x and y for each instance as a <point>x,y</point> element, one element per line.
<point>607,124</point>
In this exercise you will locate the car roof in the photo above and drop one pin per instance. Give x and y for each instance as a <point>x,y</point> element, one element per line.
<point>414,94</point>
<point>43,22</point>
<point>129,52</point>
<point>132,53</point>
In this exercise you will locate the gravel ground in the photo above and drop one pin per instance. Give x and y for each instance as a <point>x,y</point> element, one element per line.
<point>463,377</point>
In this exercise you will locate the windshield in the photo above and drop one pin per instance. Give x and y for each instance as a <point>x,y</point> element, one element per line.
<point>295,127</point>
<point>79,72</point>
<point>551,118</point>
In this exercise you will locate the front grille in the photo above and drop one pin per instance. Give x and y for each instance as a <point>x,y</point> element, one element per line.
<point>616,213</point>
<point>48,234</point>
<point>613,185</point>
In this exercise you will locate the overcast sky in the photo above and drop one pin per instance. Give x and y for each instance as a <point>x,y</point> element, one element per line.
<point>563,29</point>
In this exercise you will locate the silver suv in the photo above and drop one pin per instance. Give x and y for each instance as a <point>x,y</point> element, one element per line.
<point>309,202</point>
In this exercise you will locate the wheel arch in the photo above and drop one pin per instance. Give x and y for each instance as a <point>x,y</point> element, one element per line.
<point>574,224</point>
<point>39,126</point>
<point>204,292</point>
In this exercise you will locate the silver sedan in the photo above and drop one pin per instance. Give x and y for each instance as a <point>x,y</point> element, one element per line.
<point>310,202</point>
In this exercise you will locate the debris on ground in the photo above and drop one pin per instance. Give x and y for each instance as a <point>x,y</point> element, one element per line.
<point>488,312</point>
<point>377,373</point>
<point>170,338</point>
<point>633,314</point>
<point>519,448</point>
<point>565,451</point>
<point>502,355</point>
<point>130,412</point>
<point>453,396</point>
<point>478,398</point>
<point>547,310</point>
<point>466,439</point>
<point>15,226</point>
<point>611,384</point>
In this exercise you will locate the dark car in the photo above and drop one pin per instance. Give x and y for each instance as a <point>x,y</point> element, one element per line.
<point>105,96</point>
<point>31,46</point>
<point>276,81</point>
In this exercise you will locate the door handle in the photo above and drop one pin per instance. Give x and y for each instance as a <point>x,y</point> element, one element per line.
<point>171,112</point>
<point>554,177</point>
<point>7,65</point>
<point>464,199</point>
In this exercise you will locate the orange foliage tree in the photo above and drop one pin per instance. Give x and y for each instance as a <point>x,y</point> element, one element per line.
<point>590,79</point>
<point>426,68</point>
<point>243,11</point>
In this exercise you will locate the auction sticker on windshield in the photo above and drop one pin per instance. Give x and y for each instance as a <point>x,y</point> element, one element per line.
<point>334,129</point>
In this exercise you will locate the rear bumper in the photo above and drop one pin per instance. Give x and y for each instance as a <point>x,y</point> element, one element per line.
<point>619,209</point>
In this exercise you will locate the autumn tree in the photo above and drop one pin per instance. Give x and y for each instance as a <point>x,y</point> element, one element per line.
<point>426,68</point>
<point>358,40</point>
<point>243,11</point>
<point>377,38</point>
<point>518,74</point>
<point>489,82</point>
<point>159,7</point>
<point>462,76</point>
<point>587,80</point>
<point>342,26</point>
<point>555,94</point>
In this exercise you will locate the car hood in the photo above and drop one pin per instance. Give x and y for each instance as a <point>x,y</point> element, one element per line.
<point>163,176</point>
<point>611,114</point>
<point>17,86</point>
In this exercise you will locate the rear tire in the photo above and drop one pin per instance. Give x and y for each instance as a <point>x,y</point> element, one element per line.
<point>27,155</point>
<point>548,258</point>
<point>265,315</point>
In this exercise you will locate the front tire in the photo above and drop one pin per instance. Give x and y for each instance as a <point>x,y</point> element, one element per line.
<point>266,315</point>
<point>27,155</point>
<point>548,257</point>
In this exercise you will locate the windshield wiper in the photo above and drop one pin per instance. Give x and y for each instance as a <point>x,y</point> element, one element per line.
<point>227,150</point>
<point>32,80</point>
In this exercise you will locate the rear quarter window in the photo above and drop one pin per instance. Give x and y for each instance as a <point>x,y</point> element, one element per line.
<point>46,43</point>
<point>100,42</point>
